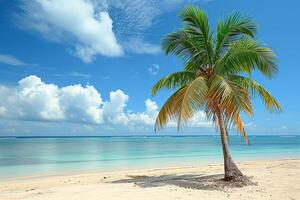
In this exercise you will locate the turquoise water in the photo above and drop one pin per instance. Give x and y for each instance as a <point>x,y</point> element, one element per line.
<point>20,156</point>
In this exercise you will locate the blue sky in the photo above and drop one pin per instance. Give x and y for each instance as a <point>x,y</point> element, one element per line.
<point>87,67</point>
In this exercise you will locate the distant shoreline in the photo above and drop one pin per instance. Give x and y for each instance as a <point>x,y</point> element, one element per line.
<point>156,135</point>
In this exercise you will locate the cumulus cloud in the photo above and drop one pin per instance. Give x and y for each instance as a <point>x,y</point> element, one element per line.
<point>76,22</point>
<point>34,100</point>
<point>97,27</point>
<point>113,110</point>
<point>11,60</point>
<point>147,117</point>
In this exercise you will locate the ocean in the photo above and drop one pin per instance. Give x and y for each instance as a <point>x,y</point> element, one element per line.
<point>34,156</point>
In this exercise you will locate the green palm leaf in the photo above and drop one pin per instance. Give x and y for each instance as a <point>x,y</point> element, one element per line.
<point>196,23</point>
<point>232,29</point>
<point>246,55</point>
<point>174,81</point>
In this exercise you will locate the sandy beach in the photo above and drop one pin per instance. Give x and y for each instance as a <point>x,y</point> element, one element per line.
<point>277,179</point>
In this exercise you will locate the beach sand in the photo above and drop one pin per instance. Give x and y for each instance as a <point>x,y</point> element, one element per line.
<point>277,179</point>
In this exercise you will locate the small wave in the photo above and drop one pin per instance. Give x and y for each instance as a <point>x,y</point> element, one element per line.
<point>9,137</point>
<point>288,136</point>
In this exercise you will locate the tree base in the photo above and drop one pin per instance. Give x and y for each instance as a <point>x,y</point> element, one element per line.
<point>238,181</point>
<point>231,170</point>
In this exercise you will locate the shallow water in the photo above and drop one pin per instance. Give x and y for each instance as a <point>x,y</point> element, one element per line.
<point>30,156</point>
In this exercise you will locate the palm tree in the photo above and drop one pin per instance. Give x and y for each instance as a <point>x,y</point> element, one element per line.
<point>217,75</point>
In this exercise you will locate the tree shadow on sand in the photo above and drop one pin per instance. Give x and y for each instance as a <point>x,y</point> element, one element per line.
<point>190,181</point>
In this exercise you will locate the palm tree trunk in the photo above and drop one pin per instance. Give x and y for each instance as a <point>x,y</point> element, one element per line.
<point>231,170</point>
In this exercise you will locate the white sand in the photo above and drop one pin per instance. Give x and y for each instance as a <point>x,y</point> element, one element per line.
<point>278,179</point>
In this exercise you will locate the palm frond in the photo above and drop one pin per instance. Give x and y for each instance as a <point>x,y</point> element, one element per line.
<point>196,24</point>
<point>255,88</point>
<point>247,55</point>
<point>179,44</point>
<point>170,109</point>
<point>193,99</point>
<point>174,81</point>
<point>182,105</point>
<point>240,127</point>
<point>230,97</point>
<point>232,29</point>
<point>227,92</point>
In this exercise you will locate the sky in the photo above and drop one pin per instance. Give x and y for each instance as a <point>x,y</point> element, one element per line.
<point>86,67</point>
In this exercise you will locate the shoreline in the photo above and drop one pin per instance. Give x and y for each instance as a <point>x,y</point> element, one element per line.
<point>139,169</point>
<point>276,179</point>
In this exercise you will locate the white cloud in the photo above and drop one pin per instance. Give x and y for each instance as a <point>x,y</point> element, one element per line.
<point>11,60</point>
<point>81,104</point>
<point>139,46</point>
<point>97,27</point>
<point>153,69</point>
<point>147,117</point>
<point>113,110</point>
<point>34,100</point>
<point>76,22</point>
<point>199,120</point>
<point>133,17</point>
